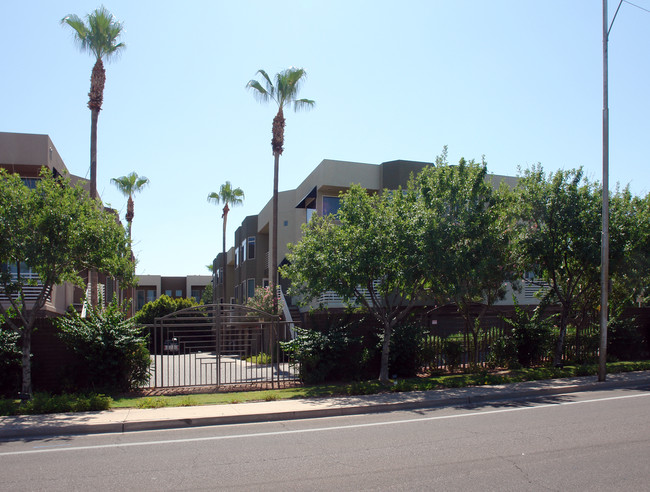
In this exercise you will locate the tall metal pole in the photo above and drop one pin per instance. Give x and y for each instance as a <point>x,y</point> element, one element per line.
<point>604,260</point>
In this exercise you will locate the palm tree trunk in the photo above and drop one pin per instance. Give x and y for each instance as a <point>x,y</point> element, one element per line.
<point>95,99</point>
<point>274,242</point>
<point>94,115</point>
<point>224,262</point>
<point>129,214</point>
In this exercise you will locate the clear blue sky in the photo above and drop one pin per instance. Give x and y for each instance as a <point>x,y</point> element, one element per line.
<point>519,81</point>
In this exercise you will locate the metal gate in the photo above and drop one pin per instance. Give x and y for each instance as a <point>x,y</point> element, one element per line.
<point>220,344</point>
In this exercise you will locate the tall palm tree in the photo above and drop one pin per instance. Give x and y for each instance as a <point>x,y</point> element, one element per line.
<point>226,195</point>
<point>283,93</point>
<point>99,36</point>
<point>129,185</point>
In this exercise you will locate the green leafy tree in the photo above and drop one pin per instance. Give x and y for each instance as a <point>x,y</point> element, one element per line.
<point>466,233</point>
<point>207,296</point>
<point>99,36</point>
<point>368,255</point>
<point>129,185</point>
<point>558,238</point>
<point>112,350</point>
<point>629,250</point>
<point>226,195</point>
<point>284,93</point>
<point>57,231</point>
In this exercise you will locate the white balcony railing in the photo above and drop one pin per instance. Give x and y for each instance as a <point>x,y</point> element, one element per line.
<point>30,292</point>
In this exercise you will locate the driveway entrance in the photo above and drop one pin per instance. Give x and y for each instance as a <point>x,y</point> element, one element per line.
<point>219,344</point>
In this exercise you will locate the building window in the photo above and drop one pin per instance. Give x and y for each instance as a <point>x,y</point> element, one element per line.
<point>310,213</point>
<point>251,287</point>
<point>179,293</point>
<point>242,251</point>
<point>251,247</point>
<point>236,294</point>
<point>30,182</point>
<point>168,292</point>
<point>236,257</point>
<point>197,293</point>
<point>143,296</point>
<point>265,283</point>
<point>331,205</point>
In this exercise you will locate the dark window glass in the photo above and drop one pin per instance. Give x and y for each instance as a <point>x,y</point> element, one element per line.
<point>251,247</point>
<point>331,205</point>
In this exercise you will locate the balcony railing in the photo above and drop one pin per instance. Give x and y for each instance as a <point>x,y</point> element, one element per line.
<point>30,292</point>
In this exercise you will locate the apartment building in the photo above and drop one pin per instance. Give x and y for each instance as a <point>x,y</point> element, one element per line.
<point>26,154</point>
<point>151,287</point>
<point>247,262</point>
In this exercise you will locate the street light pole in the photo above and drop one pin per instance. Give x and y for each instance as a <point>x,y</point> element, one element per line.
<point>604,249</point>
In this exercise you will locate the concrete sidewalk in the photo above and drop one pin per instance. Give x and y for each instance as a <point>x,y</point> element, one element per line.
<point>125,420</point>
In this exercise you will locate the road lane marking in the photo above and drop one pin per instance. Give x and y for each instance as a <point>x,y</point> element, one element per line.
<point>318,429</point>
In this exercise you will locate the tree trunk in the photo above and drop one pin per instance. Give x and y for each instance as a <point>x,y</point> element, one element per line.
<point>93,192</point>
<point>26,392</point>
<point>130,213</point>
<point>385,351</point>
<point>274,243</point>
<point>559,345</point>
<point>224,260</point>
<point>94,115</point>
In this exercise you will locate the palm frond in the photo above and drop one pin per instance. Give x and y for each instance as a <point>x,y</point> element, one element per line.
<point>260,93</point>
<point>227,194</point>
<point>269,84</point>
<point>99,34</point>
<point>77,24</point>
<point>130,184</point>
<point>214,197</point>
<point>303,104</point>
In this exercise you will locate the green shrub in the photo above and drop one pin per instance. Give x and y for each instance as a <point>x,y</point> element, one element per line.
<point>150,402</point>
<point>530,339</point>
<point>111,350</point>
<point>162,306</point>
<point>10,363</point>
<point>261,358</point>
<point>503,353</point>
<point>64,403</point>
<point>453,349</point>
<point>334,355</point>
<point>405,350</point>
<point>625,341</point>
<point>8,406</point>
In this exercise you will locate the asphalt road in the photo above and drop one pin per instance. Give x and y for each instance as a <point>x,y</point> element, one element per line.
<point>582,441</point>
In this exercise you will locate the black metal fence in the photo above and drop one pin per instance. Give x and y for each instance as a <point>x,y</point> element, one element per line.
<point>219,345</point>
